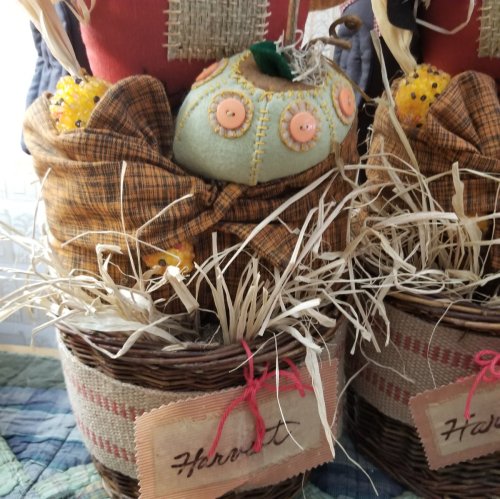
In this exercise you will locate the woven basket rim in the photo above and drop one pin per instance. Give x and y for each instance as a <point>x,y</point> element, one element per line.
<point>197,370</point>
<point>463,315</point>
<point>194,352</point>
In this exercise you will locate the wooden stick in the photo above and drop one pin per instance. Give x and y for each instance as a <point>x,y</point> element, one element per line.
<point>291,22</point>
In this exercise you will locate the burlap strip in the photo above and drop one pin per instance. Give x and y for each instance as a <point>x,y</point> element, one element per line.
<point>489,37</point>
<point>449,357</point>
<point>105,410</point>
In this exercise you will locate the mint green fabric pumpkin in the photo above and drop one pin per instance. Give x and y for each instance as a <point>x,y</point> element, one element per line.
<point>239,125</point>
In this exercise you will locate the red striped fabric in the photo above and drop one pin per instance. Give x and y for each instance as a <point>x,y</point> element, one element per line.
<point>430,355</point>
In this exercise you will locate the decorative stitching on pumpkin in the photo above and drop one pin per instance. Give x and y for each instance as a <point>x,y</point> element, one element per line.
<point>332,123</point>
<point>212,89</point>
<point>262,129</point>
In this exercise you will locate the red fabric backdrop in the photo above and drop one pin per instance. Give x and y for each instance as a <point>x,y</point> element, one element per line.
<point>456,53</point>
<point>126,37</point>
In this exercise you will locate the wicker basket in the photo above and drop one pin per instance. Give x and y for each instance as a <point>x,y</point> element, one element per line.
<point>378,416</point>
<point>91,374</point>
<point>117,485</point>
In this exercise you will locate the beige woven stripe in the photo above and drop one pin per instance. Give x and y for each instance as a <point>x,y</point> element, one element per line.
<point>211,29</point>
<point>105,408</point>
<point>489,37</point>
<point>449,357</point>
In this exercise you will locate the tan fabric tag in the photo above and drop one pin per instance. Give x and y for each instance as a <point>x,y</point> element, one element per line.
<point>172,442</point>
<point>447,437</point>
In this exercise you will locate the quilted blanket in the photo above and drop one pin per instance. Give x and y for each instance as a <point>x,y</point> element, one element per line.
<point>41,452</point>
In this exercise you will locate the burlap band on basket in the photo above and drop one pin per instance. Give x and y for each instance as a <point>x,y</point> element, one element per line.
<point>431,355</point>
<point>105,409</point>
<point>132,123</point>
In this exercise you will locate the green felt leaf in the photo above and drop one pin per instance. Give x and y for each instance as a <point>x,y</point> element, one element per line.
<point>269,61</point>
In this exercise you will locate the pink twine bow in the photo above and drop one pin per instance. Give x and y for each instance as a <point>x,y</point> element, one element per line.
<point>249,396</point>
<point>489,360</point>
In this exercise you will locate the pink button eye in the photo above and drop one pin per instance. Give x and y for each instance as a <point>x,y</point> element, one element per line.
<point>347,102</point>
<point>303,127</point>
<point>210,72</point>
<point>206,72</point>
<point>230,114</point>
<point>344,102</point>
<point>299,126</point>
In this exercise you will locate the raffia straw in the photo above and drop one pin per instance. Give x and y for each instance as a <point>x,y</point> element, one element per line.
<point>277,382</point>
<point>398,40</point>
<point>403,241</point>
<point>473,231</point>
<point>123,172</point>
<point>277,301</point>
<point>275,215</point>
<point>307,64</point>
<point>266,299</point>
<point>389,101</point>
<point>82,301</point>
<point>43,15</point>
<point>425,252</point>
<point>407,246</point>
<point>445,31</point>
<point>339,405</point>
<point>312,364</point>
<point>289,296</point>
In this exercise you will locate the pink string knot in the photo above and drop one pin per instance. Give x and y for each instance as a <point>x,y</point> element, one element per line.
<point>489,360</point>
<point>249,395</point>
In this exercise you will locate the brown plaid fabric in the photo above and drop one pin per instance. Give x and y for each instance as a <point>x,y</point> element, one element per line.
<point>133,123</point>
<point>463,125</point>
